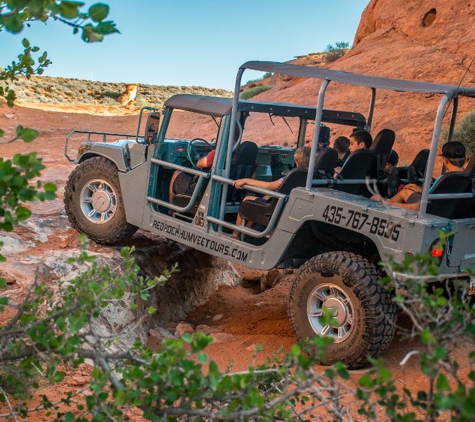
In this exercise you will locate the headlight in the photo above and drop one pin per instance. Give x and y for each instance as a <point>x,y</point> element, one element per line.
<point>85,146</point>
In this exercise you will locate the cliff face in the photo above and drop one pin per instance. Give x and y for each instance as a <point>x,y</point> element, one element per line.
<point>425,40</point>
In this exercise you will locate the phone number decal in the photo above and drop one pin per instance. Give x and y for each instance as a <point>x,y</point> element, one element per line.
<point>360,220</point>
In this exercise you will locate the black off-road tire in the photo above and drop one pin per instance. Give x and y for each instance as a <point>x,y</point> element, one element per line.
<point>93,202</point>
<point>346,283</point>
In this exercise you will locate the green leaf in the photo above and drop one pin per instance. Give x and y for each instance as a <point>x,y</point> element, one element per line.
<point>106,28</point>
<point>50,187</point>
<point>28,135</point>
<point>98,12</point>
<point>22,213</point>
<point>120,397</point>
<point>442,383</point>
<point>342,371</point>
<point>49,196</point>
<point>13,23</point>
<point>202,357</point>
<point>427,337</point>
<point>25,43</point>
<point>58,376</point>
<point>70,9</point>
<point>11,97</point>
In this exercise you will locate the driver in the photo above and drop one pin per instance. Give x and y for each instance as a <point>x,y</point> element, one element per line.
<point>182,183</point>
<point>185,183</point>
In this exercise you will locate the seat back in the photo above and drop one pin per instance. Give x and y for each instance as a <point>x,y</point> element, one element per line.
<point>382,146</point>
<point>325,163</point>
<point>361,164</point>
<point>419,163</point>
<point>260,210</point>
<point>243,164</point>
<point>297,177</point>
<point>454,182</point>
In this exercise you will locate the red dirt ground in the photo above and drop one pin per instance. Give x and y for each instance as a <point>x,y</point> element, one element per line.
<point>250,318</point>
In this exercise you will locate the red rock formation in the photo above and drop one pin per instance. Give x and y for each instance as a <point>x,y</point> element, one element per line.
<point>426,40</point>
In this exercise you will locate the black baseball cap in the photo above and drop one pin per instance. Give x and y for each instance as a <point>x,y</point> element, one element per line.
<point>453,149</point>
<point>393,158</point>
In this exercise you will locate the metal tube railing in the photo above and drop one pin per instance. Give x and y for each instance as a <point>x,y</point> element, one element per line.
<point>281,198</point>
<point>92,132</point>
<point>202,177</point>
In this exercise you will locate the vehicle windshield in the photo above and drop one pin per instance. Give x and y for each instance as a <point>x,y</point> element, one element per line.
<point>186,125</point>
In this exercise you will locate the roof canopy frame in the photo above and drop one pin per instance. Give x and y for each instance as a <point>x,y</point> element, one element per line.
<point>369,81</point>
<point>448,92</point>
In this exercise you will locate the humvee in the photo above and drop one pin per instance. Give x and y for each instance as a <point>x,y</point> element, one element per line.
<point>326,226</point>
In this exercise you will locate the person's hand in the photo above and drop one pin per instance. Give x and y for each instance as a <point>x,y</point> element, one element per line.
<point>413,187</point>
<point>377,198</point>
<point>238,184</point>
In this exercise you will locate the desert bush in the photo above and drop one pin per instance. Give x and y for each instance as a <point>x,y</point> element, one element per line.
<point>465,133</point>
<point>180,381</point>
<point>249,93</point>
<point>82,91</point>
<point>110,94</point>
<point>265,75</point>
<point>334,52</point>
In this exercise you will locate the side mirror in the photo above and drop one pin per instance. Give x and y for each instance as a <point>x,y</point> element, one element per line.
<point>151,127</point>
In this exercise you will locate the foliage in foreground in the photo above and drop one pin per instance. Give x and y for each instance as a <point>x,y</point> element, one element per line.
<point>52,330</point>
<point>179,380</point>
<point>17,174</point>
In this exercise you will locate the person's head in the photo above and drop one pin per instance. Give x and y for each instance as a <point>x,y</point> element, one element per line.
<point>454,153</point>
<point>302,157</point>
<point>393,159</point>
<point>360,139</point>
<point>341,145</point>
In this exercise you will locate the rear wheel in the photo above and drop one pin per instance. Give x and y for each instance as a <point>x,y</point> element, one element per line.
<point>93,202</point>
<point>347,285</point>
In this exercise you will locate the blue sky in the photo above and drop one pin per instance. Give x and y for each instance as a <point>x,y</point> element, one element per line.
<point>191,42</point>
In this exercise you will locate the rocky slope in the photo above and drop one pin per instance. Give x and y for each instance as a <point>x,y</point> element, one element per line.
<point>425,40</point>
<point>47,90</point>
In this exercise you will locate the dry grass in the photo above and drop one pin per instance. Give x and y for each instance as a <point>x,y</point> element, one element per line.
<point>51,90</point>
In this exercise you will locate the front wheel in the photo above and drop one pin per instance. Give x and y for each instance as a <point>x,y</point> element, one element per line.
<point>93,202</point>
<point>364,314</point>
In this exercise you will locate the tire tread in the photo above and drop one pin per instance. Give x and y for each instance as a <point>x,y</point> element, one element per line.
<point>101,165</point>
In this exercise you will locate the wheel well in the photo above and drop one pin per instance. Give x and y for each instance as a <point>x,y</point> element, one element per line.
<point>85,157</point>
<point>88,156</point>
<point>316,237</point>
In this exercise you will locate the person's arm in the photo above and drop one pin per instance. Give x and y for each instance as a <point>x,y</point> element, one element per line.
<point>274,185</point>
<point>413,206</point>
<point>206,161</point>
<point>398,201</point>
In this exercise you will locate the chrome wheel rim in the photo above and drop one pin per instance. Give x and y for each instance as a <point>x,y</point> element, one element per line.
<point>98,201</point>
<point>333,298</point>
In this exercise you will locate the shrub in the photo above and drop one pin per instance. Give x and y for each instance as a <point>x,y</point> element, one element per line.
<point>265,75</point>
<point>334,52</point>
<point>465,133</point>
<point>249,93</point>
<point>179,382</point>
<point>110,94</point>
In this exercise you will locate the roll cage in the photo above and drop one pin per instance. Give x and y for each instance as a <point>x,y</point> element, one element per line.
<point>449,93</point>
